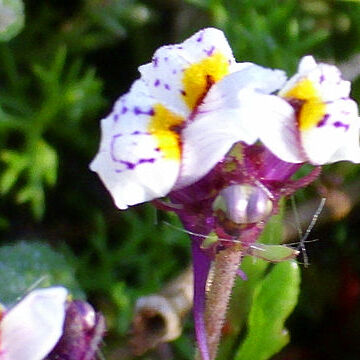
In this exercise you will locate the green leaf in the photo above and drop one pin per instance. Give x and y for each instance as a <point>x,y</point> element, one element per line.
<point>15,165</point>
<point>45,162</point>
<point>274,300</point>
<point>11,18</point>
<point>26,265</point>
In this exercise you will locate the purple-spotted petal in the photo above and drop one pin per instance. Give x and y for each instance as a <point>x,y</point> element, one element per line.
<point>178,74</point>
<point>30,329</point>
<point>326,81</point>
<point>139,154</point>
<point>336,136</point>
<point>323,126</point>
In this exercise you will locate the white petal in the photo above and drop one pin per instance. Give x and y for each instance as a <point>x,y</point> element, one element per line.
<point>133,163</point>
<point>166,75</point>
<point>231,92</point>
<point>306,64</point>
<point>230,113</point>
<point>336,137</point>
<point>31,329</point>
<point>326,80</point>
<point>205,142</point>
<point>278,130</point>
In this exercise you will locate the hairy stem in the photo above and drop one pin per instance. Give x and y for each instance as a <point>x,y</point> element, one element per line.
<point>226,265</point>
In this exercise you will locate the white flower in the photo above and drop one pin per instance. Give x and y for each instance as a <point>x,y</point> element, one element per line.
<point>180,118</point>
<point>318,122</point>
<point>32,327</point>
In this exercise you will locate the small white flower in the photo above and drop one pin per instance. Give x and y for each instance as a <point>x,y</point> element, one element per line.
<point>191,104</point>
<point>318,122</point>
<point>32,327</point>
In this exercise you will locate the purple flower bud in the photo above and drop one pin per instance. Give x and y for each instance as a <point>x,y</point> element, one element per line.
<point>83,331</point>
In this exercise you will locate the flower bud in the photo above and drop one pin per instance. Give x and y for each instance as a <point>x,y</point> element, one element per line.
<point>243,204</point>
<point>83,332</point>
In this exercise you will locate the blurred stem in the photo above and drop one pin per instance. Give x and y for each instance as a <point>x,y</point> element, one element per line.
<point>226,265</point>
<point>10,122</point>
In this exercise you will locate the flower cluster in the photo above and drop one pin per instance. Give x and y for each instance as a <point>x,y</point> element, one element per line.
<point>222,140</point>
<point>193,102</point>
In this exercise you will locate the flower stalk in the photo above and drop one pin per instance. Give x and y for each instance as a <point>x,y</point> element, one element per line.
<point>226,265</point>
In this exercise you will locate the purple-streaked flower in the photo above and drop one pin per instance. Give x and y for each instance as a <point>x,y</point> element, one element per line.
<point>187,129</point>
<point>31,328</point>
<point>318,122</point>
<point>190,105</point>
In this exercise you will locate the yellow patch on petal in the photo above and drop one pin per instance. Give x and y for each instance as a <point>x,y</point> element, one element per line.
<point>303,90</point>
<point>313,109</point>
<point>162,127</point>
<point>198,77</point>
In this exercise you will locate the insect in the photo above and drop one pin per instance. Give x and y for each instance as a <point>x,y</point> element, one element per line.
<point>268,252</point>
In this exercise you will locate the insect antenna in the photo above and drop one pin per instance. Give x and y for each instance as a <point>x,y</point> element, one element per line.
<point>196,234</point>
<point>303,237</point>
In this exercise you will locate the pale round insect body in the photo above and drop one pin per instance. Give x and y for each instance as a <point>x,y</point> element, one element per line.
<point>244,203</point>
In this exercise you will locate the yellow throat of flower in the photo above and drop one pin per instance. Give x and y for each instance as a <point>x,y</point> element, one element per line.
<point>313,108</point>
<point>163,126</point>
<point>198,77</point>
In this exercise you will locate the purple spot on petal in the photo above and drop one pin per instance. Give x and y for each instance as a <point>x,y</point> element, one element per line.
<point>174,71</point>
<point>157,149</point>
<point>128,164</point>
<point>155,61</point>
<point>179,47</point>
<point>210,51</point>
<point>116,117</point>
<point>200,38</point>
<point>322,78</point>
<point>323,121</point>
<point>124,109</point>
<point>138,111</point>
<point>131,166</point>
<point>157,82</point>
<point>143,161</point>
<point>167,86</point>
<point>166,58</point>
<point>339,124</point>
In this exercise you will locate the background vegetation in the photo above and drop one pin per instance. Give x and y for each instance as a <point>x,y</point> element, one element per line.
<point>62,65</point>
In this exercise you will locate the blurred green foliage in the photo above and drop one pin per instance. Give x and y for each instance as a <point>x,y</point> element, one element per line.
<point>28,265</point>
<point>60,75</point>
